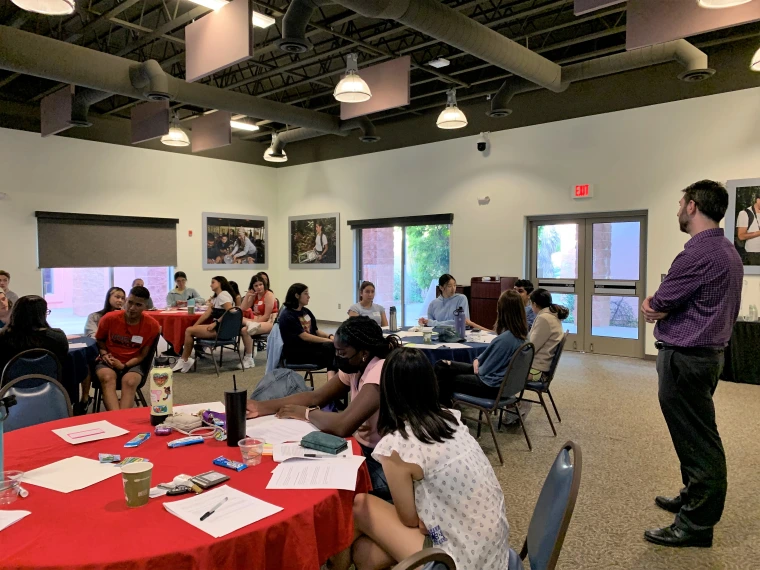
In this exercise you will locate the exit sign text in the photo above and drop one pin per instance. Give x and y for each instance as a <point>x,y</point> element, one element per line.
<point>583,191</point>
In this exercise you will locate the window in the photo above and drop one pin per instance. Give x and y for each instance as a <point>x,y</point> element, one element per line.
<point>404,258</point>
<point>81,291</point>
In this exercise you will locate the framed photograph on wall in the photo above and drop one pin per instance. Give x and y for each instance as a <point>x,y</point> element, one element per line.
<point>234,241</point>
<point>314,241</point>
<point>743,221</point>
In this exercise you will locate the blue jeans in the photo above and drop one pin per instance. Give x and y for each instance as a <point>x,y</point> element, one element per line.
<point>376,475</point>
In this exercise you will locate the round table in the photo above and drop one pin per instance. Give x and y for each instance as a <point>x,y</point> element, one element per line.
<point>94,528</point>
<point>173,323</point>
<point>436,352</point>
<point>77,365</point>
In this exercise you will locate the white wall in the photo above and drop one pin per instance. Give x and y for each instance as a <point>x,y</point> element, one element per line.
<point>69,175</point>
<point>638,160</point>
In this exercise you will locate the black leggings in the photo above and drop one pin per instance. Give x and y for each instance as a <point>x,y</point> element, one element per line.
<point>460,377</point>
<point>320,353</point>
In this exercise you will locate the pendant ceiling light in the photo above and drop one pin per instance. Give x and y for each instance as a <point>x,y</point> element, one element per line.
<point>176,136</point>
<point>451,117</point>
<point>269,153</point>
<point>47,7</point>
<point>721,3</point>
<point>755,65</point>
<point>352,88</point>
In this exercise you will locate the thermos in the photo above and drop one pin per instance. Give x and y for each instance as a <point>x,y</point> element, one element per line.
<point>161,396</point>
<point>459,322</point>
<point>393,324</point>
<point>191,306</point>
<point>234,411</point>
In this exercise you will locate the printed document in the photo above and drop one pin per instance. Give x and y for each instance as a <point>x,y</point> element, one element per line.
<point>322,474</point>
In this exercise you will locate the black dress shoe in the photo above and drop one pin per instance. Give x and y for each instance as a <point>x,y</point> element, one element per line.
<point>674,536</point>
<point>670,504</point>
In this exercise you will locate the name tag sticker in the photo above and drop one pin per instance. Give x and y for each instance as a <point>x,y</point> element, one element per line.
<point>376,314</point>
<point>137,339</point>
<point>307,318</point>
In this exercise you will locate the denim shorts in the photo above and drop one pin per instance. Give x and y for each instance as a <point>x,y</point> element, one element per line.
<point>376,475</point>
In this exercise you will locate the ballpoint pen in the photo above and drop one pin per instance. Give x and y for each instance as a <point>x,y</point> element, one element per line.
<point>212,510</point>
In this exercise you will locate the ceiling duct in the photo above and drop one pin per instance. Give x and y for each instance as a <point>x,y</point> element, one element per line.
<point>40,56</point>
<point>438,21</point>
<point>80,105</point>
<point>363,124</point>
<point>691,58</point>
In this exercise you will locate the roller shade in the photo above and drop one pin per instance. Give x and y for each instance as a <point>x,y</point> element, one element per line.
<point>430,220</point>
<point>84,240</point>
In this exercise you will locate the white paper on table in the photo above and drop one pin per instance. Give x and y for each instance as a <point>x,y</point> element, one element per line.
<point>78,345</point>
<point>483,338</point>
<point>453,345</point>
<point>238,511</point>
<point>93,431</point>
<point>322,474</point>
<point>217,407</point>
<point>275,430</point>
<point>285,451</point>
<point>405,334</point>
<point>7,518</point>
<point>422,346</point>
<point>70,474</point>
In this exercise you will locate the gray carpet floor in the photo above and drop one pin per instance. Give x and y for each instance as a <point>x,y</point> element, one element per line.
<point>609,407</point>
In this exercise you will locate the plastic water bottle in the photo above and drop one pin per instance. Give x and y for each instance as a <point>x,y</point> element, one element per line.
<point>752,313</point>
<point>459,322</point>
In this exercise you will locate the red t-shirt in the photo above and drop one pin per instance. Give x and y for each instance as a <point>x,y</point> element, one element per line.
<point>125,341</point>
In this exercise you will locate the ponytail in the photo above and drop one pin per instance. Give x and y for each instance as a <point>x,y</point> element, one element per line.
<point>561,312</point>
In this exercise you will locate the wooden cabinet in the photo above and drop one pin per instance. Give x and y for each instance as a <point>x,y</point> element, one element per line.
<point>484,296</point>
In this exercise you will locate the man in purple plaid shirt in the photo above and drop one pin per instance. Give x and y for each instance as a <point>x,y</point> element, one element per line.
<point>695,309</point>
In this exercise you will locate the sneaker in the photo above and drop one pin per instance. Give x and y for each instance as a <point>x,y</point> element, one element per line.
<point>178,366</point>
<point>187,365</point>
<point>247,362</point>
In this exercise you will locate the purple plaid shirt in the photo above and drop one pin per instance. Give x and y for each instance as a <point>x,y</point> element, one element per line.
<point>702,293</point>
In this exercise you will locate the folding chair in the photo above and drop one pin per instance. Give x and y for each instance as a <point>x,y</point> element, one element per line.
<point>541,387</point>
<point>227,337</point>
<point>145,367</point>
<point>39,398</point>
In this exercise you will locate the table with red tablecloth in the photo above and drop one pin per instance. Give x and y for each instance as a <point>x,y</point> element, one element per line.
<point>173,325</point>
<point>94,528</point>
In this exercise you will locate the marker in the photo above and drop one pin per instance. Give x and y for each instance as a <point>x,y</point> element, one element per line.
<point>213,509</point>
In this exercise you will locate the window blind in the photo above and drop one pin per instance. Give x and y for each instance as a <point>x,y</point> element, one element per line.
<point>430,220</point>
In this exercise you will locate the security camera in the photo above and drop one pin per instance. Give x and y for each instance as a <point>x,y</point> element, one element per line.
<point>483,142</point>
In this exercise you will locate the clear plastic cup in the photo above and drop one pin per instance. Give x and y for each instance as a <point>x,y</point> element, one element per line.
<point>10,484</point>
<point>251,449</point>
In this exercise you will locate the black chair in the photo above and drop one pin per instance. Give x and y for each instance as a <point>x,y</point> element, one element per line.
<point>227,337</point>
<point>33,361</point>
<point>145,367</point>
<point>541,387</point>
<point>554,509</point>
<point>508,397</point>
<point>440,559</point>
<point>308,370</point>
<point>39,398</point>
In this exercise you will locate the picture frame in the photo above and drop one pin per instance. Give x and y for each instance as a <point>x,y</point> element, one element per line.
<point>227,249</point>
<point>308,251</point>
<point>743,198</point>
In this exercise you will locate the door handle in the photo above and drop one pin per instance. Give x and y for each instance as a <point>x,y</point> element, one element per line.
<point>591,347</point>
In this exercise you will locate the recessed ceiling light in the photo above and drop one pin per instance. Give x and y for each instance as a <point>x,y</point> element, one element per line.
<point>261,20</point>
<point>47,7</point>
<point>439,62</point>
<point>243,126</point>
<point>211,4</point>
<point>721,3</point>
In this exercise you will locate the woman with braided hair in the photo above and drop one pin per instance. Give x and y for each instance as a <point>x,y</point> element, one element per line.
<point>360,351</point>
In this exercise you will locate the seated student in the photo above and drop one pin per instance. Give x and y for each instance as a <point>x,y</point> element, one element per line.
<point>243,248</point>
<point>263,305</point>
<point>302,341</point>
<point>547,330</point>
<point>5,282</point>
<point>221,302</point>
<point>140,283</point>
<point>265,275</point>
<point>360,352</point>
<point>441,309</point>
<point>28,328</point>
<point>212,251</point>
<point>5,310</point>
<point>124,340</point>
<point>425,452</point>
<point>483,377</point>
<point>115,299</point>
<point>366,305</point>
<point>236,298</point>
<point>181,292</point>
<point>224,246</point>
<point>524,287</point>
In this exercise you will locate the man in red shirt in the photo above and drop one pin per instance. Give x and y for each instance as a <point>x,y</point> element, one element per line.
<point>124,340</point>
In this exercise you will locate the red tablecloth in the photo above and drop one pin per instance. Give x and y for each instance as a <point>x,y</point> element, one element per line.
<point>93,528</point>
<point>173,325</point>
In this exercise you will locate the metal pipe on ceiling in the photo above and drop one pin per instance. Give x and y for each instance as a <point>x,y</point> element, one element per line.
<point>692,58</point>
<point>363,124</point>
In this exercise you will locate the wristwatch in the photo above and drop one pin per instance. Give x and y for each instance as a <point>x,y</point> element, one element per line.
<point>310,409</point>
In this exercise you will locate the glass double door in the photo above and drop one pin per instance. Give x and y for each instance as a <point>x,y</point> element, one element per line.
<point>594,266</point>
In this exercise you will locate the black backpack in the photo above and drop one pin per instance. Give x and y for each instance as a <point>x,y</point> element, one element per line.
<point>739,243</point>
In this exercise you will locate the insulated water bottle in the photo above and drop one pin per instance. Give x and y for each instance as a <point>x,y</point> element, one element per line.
<point>161,396</point>
<point>393,324</point>
<point>459,322</point>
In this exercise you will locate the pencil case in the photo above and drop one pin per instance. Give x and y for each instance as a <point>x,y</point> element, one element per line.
<point>324,442</point>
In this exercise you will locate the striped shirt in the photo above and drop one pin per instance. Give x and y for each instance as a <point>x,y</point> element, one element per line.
<point>701,293</point>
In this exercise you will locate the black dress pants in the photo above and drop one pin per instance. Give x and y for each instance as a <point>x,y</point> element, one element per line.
<point>460,377</point>
<point>687,381</point>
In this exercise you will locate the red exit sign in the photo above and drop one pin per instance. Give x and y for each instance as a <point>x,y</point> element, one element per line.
<point>583,191</point>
